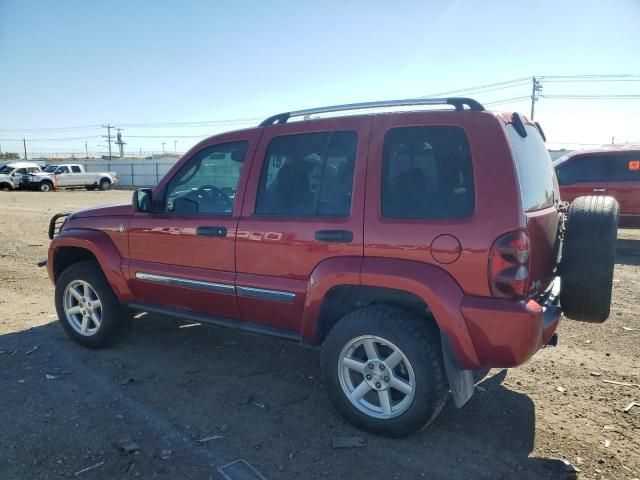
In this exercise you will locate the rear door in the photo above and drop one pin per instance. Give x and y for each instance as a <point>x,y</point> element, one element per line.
<point>539,198</point>
<point>582,175</point>
<point>302,207</point>
<point>183,255</point>
<point>624,181</point>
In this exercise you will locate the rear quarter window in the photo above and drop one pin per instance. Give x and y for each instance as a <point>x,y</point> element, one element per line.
<point>536,176</point>
<point>427,173</point>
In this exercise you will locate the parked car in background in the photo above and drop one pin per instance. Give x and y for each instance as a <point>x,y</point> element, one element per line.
<point>70,175</point>
<point>414,247</point>
<point>613,171</point>
<point>12,174</point>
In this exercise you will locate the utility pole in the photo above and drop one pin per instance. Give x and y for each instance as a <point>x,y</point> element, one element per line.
<point>535,90</point>
<point>140,152</point>
<point>119,142</point>
<point>24,143</point>
<point>613,140</point>
<point>86,150</point>
<point>108,136</point>
<point>163,148</point>
<point>175,146</point>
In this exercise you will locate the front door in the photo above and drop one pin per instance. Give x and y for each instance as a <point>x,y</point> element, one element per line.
<point>302,207</point>
<point>62,176</point>
<point>183,254</point>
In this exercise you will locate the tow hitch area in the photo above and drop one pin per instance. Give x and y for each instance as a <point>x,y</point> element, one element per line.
<point>42,263</point>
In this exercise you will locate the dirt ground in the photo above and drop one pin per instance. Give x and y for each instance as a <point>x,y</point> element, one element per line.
<point>169,384</point>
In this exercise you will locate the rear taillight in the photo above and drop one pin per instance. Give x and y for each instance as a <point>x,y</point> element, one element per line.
<point>509,265</point>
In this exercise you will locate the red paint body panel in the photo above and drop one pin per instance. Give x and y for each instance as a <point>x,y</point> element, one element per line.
<point>327,275</point>
<point>271,247</point>
<point>627,192</point>
<point>276,314</point>
<point>505,333</point>
<point>439,291</point>
<point>105,252</point>
<point>495,180</point>
<point>282,254</point>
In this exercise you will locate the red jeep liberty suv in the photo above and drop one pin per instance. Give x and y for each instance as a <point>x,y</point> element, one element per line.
<point>415,247</point>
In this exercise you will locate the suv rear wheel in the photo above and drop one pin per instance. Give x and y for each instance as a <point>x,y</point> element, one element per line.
<point>383,370</point>
<point>87,307</point>
<point>105,184</point>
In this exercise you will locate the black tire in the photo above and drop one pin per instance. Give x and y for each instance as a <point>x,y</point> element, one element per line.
<point>588,257</point>
<point>46,187</point>
<point>115,319</point>
<point>419,341</point>
<point>105,184</point>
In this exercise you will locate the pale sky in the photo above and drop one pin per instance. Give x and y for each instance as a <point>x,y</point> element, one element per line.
<point>78,63</point>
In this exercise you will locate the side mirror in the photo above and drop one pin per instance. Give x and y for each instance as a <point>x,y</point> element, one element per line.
<point>142,200</point>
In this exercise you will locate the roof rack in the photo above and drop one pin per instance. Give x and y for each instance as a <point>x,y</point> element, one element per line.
<point>458,103</point>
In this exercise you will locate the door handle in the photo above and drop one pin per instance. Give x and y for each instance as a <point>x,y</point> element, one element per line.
<point>334,236</point>
<point>599,189</point>
<point>219,232</point>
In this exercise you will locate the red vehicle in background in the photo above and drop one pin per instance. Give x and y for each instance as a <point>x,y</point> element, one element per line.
<point>612,171</point>
<point>414,248</point>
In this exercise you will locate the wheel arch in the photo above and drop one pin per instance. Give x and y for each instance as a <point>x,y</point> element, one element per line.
<point>72,246</point>
<point>421,287</point>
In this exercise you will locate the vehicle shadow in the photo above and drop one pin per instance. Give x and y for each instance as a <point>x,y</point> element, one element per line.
<point>264,398</point>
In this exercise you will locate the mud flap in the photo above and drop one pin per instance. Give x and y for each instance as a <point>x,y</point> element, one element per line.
<point>461,381</point>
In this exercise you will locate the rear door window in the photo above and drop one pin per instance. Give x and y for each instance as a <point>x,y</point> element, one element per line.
<point>427,173</point>
<point>75,169</point>
<point>535,171</point>
<point>308,174</point>
<point>582,169</point>
<point>624,168</point>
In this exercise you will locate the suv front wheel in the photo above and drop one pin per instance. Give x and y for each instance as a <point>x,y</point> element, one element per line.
<point>383,370</point>
<point>87,307</point>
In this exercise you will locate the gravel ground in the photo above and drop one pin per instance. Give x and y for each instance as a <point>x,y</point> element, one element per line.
<point>64,408</point>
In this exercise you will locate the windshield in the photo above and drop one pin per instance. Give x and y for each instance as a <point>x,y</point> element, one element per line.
<point>50,168</point>
<point>6,170</point>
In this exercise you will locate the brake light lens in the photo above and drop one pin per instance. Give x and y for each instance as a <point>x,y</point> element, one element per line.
<point>509,265</point>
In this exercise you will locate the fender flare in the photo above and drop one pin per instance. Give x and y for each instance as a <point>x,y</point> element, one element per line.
<point>103,249</point>
<point>327,274</point>
<point>437,289</point>
<point>428,282</point>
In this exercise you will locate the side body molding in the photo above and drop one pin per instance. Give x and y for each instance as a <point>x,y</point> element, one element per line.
<point>103,248</point>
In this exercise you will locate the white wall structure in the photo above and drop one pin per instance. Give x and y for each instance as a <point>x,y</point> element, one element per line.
<point>131,172</point>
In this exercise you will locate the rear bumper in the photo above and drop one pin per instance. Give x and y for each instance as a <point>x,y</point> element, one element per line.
<point>507,333</point>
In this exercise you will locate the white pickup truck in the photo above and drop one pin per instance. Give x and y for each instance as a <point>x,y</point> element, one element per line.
<point>69,175</point>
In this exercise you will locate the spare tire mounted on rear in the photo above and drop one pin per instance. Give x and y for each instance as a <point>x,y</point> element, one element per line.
<point>588,257</point>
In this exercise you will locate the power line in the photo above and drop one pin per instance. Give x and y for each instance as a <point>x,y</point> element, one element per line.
<point>506,100</point>
<point>48,139</point>
<point>49,129</point>
<point>479,87</point>
<point>594,97</point>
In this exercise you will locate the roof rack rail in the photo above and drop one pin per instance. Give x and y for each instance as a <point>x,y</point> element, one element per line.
<point>458,102</point>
